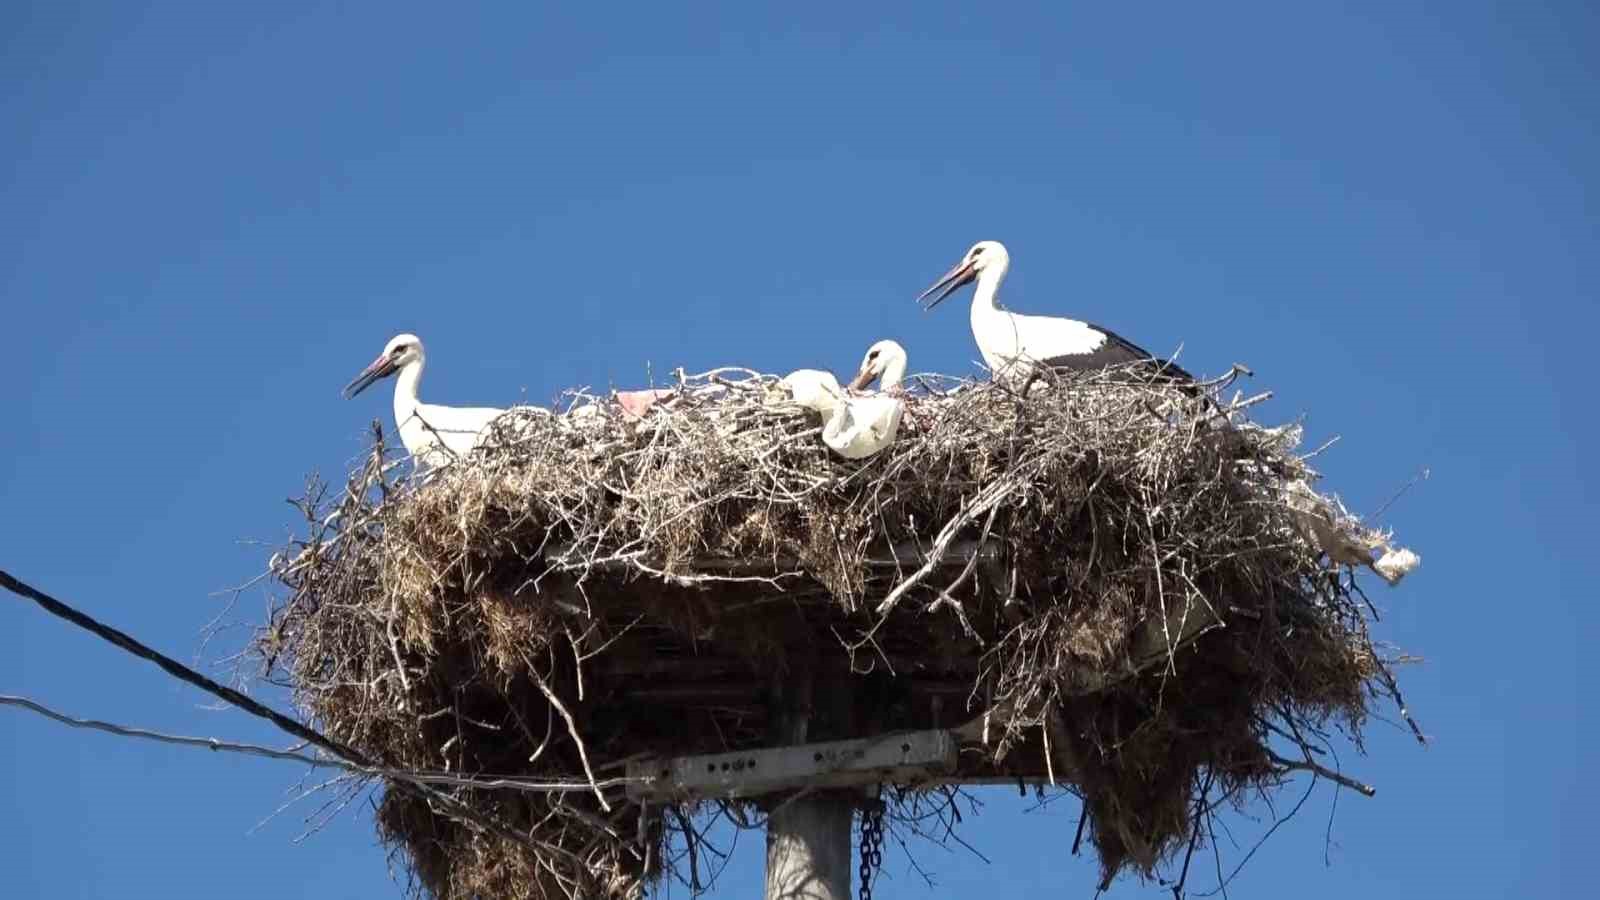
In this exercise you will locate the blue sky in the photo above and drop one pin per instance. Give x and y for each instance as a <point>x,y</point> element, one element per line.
<point>210,220</point>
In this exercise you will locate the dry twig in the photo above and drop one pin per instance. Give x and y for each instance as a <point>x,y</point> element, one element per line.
<point>1152,586</point>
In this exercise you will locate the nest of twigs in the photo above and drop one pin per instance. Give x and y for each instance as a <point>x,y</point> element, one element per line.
<point>1112,587</point>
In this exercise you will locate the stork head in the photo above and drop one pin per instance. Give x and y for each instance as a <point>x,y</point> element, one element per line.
<point>983,256</point>
<point>886,360</point>
<point>401,350</point>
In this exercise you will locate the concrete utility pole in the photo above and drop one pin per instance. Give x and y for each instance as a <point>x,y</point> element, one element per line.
<point>814,786</point>
<point>808,835</point>
<point>808,848</point>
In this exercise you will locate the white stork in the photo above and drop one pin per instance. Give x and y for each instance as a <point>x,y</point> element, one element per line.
<point>885,360</point>
<point>855,426</point>
<point>1013,344</point>
<point>433,435</point>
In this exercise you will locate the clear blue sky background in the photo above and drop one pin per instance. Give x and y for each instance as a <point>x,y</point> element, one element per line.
<point>209,220</point>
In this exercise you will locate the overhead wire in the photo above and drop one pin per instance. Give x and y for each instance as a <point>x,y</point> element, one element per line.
<point>482,782</point>
<point>419,783</point>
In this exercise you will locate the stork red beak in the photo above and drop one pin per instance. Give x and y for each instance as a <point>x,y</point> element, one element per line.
<point>381,368</point>
<point>963,273</point>
<point>862,379</point>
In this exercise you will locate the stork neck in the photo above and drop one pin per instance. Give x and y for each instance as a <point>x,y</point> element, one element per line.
<point>893,372</point>
<point>987,315</point>
<point>405,390</point>
<point>989,286</point>
<point>994,327</point>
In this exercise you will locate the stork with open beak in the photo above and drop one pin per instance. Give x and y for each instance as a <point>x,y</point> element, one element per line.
<point>1013,345</point>
<point>433,435</point>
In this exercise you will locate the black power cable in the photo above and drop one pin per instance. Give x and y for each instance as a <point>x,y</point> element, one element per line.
<point>179,670</point>
<point>435,798</point>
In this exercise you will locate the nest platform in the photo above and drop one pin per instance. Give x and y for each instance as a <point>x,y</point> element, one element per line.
<point>1110,587</point>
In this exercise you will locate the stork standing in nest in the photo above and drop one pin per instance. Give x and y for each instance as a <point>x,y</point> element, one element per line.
<point>1015,346</point>
<point>433,435</point>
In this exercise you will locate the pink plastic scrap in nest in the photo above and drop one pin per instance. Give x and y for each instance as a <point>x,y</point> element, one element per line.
<point>636,403</point>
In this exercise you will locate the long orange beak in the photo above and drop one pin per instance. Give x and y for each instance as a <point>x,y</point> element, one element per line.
<point>381,368</point>
<point>963,273</point>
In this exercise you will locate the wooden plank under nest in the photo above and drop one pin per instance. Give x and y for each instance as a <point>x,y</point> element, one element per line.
<point>900,758</point>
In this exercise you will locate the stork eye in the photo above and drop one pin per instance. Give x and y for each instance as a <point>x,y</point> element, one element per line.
<point>977,251</point>
<point>399,350</point>
<point>872,355</point>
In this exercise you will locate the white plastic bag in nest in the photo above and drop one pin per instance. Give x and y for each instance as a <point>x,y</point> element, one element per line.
<point>1325,523</point>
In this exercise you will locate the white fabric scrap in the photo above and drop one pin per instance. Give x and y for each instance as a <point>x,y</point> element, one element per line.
<point>1396,564</point>
<point>1324,522</point>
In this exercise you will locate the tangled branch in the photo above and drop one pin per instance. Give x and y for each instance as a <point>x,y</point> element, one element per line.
<point>1106,588</point>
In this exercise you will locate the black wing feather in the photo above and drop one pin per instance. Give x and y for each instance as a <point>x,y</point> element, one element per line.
<point>1116,351</point>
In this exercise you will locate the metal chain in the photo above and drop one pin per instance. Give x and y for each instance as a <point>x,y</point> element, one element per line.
<point>871,844</point>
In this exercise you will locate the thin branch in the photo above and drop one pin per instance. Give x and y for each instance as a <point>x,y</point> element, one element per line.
<point>1308,765</point>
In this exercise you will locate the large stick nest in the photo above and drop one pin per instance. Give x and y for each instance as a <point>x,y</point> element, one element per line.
<point>1111,586</point>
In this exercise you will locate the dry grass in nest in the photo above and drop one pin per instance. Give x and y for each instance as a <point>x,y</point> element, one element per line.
<point>1107,586</point>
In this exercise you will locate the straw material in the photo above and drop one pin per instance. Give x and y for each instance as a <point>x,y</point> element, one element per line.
<point>1110,586</point>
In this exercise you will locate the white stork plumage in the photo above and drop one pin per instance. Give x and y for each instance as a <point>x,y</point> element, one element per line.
<point>433,435</point>
<point>855,426</point>
<point>1013,345</point>
<point>885,360</point>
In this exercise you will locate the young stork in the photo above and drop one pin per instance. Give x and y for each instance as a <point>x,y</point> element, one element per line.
<point>885,360</point>
<point>1013,344</point>
<point>855,426</point>
<point>433,435</point>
